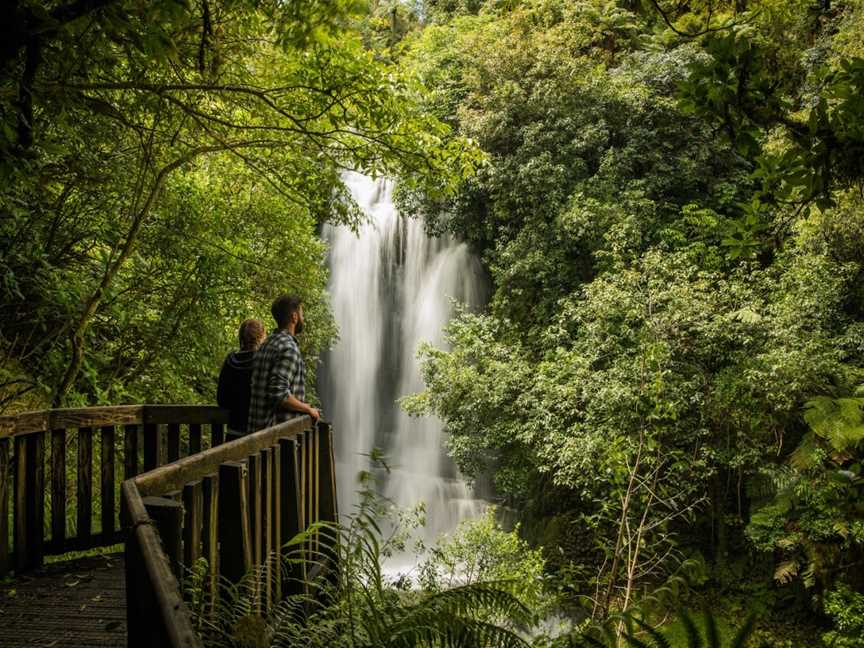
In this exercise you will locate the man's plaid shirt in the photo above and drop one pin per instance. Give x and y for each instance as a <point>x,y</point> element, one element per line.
<point>277,371</point>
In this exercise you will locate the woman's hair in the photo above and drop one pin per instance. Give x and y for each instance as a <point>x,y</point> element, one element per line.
<point>251,334</point>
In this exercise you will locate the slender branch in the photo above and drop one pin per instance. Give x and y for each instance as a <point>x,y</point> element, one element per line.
<point>702,32</point>
<point>93,302</point>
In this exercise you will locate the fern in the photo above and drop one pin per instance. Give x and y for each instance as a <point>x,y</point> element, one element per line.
<point>659,640</point>
<point>840,421</point>
<point>694,638</point>
<point>651,637</point>
<point>355,606</point>
<point>741,637</point>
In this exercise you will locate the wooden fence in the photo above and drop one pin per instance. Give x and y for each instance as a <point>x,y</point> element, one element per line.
<point>185,494</point>
<point>241,502</point>
<point>60,471</point>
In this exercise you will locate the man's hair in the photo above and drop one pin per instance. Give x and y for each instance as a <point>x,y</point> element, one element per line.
<point>251,333</point>
<point>283,308</point>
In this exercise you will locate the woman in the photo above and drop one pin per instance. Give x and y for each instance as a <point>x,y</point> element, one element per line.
<point>235,377</point>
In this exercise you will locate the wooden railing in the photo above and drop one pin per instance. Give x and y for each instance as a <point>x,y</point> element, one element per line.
<point>185,494</point>
<point>235,504</point>
<point>60,471</point>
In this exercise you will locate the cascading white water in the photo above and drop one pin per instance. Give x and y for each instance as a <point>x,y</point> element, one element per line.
<point>392,288</point>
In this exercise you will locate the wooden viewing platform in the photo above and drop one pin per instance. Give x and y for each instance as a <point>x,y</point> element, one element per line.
<point>78,603</point>
<point>170,490</point>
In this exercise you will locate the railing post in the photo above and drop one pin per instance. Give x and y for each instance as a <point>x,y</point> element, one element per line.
<point>156,614</point>
<point>167,515</point>
<point>302,442</point>
<point>217,434</point>
<point>266,522</point>
<point>36,497</point>
<point>29,500</point>
<point>130,451</point>
<point>152,446</point>
<point>253,498</point>
<point>235,557</point>
<point>291,514</point>
<point>276,522</point>
<point>107,477</point>
<point>329,511</point>
<point>194,438</point>
<point>210,496</point>
<point>5,565</point>
<point>192,522</point>
<point>84,499</point>
<point>22,559</point>
<point>143,629</point>
<point>58,490</point>
<point>173,442</point>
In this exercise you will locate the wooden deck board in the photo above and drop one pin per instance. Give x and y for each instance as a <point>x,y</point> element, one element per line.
<point>75,604</point>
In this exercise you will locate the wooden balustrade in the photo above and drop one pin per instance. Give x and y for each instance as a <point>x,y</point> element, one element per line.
<point>238,504</point>
<point>184,494</point>
<point>59,498</point>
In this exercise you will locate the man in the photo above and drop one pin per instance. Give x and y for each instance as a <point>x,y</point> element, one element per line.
<point>278,372</point>
<point>236,376</point>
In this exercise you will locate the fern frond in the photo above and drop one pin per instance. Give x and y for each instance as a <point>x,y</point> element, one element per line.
<point>711,632</point>
<point>786,571</point>
<point>456,632</point>
<point>491,598</point>
<point>743,635</point>
<point>634,641</point>
<point>657,637</point>
<point>694,637</point>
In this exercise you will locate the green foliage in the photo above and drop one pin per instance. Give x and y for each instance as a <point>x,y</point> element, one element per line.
<point>816,520</point>
<point>356,605</point>
<point>634,632</point>
<point>480,550</point>
<point>839,421</point>
<point>580,134</point>
<point>846,609</point>
<point>165,168</point>
<point>671,218</point>
<point>737,89</point>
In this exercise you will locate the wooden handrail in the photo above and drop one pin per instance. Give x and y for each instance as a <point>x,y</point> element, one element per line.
<point>53,419</point>
<point>107,445</point>
<point>173,476</point>
<point>263,489</point>
<point>234,503</point>
<point>148,566</point>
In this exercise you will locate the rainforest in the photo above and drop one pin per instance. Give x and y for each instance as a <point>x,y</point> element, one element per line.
<point>583,285</point>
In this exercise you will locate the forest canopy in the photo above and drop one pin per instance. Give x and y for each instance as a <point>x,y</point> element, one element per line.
<point>670,366</point>
<point>668,199</point>
<point>165,167</point>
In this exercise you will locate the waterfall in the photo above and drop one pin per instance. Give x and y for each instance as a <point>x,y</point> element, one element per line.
<point>392,288</point>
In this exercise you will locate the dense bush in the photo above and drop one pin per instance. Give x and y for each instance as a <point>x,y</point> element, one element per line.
<point>671,218</point>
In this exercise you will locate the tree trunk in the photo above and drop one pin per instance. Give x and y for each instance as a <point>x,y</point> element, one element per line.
<point>82,324</point>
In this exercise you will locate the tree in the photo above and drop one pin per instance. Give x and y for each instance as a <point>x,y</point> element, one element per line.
<point>108,102</point>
